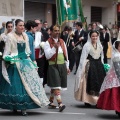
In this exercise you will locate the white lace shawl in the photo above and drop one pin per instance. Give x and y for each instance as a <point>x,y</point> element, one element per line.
<point>111,79</point>
<point>11,49</point>
<point>85,51</point>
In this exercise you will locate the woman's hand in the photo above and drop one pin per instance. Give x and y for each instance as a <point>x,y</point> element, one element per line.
<point>68,71</point>
<point>35,64</point>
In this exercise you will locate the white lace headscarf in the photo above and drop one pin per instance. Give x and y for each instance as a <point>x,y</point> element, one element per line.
<point>111,80</point>
<point>84,55</point>
<point>115,53</point>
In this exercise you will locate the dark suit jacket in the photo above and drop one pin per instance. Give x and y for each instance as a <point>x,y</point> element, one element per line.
<point>2,45</point>
<point>64,36</point>
<point>104,40</point>
<point>82,34</point>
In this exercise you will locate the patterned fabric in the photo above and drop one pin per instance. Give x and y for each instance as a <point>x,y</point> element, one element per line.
<point>96,74</point>
<point>14,96</point>
<point>25,91</point>
<point>81,94</point>
<point>110,80</point>
<point>110,91</point>
<point>110,99</point>
<point>95,53</point>
<point>117,70</point>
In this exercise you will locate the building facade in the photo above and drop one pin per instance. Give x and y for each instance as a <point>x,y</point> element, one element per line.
<point>103,11</point>
<point>11,10</point>
<point>45,10</point>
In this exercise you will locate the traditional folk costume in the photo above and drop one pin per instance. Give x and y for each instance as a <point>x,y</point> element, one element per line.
<point>23,88</point>
<point>90,74</point>
<point>110,90</point>
<point>57,69</point>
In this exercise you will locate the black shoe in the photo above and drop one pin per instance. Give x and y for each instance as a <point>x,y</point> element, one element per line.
<point>118,113</point>
<point>14,111</point>
<point>61,108</point>
<point>87,105</point>
<point>75,72</point>
<point>52,106</point>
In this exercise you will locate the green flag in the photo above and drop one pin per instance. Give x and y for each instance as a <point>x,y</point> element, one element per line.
<point>81,15</point>
<point>66,11</point>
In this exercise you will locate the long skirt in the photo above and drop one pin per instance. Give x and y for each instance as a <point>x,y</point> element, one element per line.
<point>81,94</point>
<point>84,92</point>
<point>110,92</point>
<point>17,94</point>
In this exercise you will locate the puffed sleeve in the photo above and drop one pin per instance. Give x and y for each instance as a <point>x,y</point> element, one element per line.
<point>49,52</point>
<point>7,49</point>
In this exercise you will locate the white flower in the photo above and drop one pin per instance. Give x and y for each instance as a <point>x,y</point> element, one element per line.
<point>0,53</point>
<point>42,45</point>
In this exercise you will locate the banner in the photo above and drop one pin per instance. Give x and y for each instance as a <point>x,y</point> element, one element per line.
<point>66,11</point>
<point>81,15</point>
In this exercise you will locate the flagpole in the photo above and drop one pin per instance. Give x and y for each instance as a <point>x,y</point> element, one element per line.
<point>56,13</point>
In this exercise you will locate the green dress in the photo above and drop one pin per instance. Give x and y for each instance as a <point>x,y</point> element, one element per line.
<point>14,95</point>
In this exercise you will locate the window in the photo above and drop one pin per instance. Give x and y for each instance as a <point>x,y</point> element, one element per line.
<point>96,14</point>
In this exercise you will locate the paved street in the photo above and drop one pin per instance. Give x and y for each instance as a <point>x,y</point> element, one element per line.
<point>74,110</point>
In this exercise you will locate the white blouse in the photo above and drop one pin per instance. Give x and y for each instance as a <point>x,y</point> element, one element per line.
<point>49,52</point>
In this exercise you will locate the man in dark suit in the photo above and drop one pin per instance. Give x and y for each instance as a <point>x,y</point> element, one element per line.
<point>80,38</point>
<point>104,38</point>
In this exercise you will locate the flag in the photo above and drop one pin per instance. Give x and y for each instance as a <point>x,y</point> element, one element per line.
<point>66,11</point>
<point>81,15</point>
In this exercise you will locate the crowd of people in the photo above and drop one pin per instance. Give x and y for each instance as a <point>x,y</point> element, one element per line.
<point>32,54</point>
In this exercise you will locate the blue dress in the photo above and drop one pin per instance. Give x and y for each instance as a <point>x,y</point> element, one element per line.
<point>14,96</point>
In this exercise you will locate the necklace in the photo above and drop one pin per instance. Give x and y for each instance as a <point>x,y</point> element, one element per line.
<point>94,46</point>
<point>19,34</point>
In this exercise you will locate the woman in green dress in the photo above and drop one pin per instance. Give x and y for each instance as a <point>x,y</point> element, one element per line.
<point>24,89</point>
